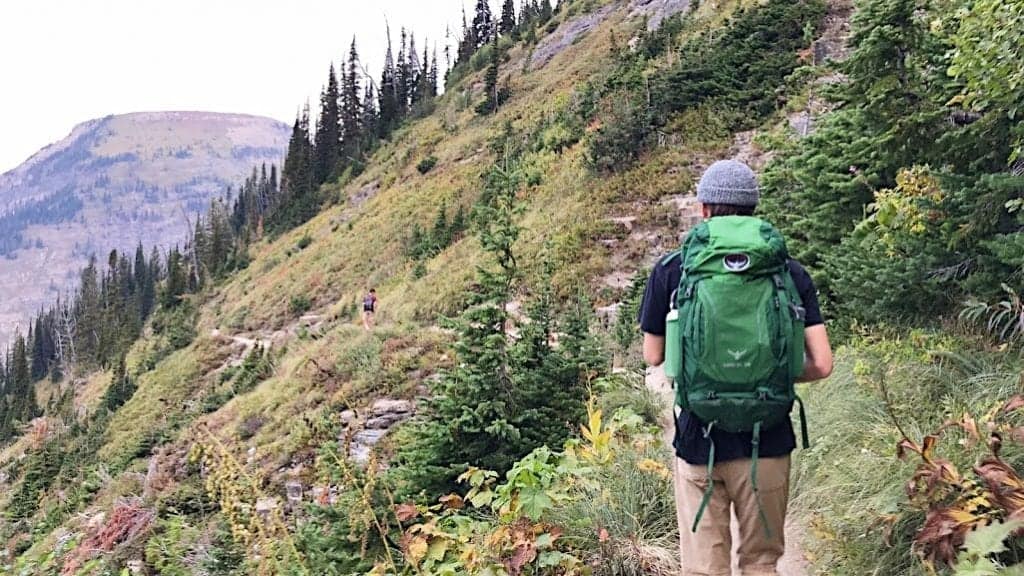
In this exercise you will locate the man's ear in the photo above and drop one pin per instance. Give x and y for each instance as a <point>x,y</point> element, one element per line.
<point>705,212</point>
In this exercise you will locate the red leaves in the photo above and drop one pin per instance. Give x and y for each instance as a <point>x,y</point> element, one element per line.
<point>1005,485</point>
<point>126,523</point>
<point>943,534</point>
<point>1012,405</point>
<point>406,512</point>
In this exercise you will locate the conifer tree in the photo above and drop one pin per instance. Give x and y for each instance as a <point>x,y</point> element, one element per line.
<point>351,109</point>
<point>42,350</point>
<point>388,97</point>
<point>440,235</point>
<point>177,281</point>
<point>494,96</point>
<point>88,313</point>
<point>402,79</point>
<point>328,131</point>
<point>483,24</point>
<point>299,199</point>
<point>546,11</point>
<point>145,282</point>
<point>21,396</point>
<point>467,43</point>
<point>370,119</point>
<point>415,74</point>
<point>507,25</point>
<point>473,419</point>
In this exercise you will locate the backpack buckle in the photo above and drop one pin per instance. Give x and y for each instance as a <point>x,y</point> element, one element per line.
<point>712,395</point>
<point>799,312</point>
<point>762,396</point>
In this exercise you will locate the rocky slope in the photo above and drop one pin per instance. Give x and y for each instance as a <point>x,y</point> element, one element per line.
<point>112,183</point>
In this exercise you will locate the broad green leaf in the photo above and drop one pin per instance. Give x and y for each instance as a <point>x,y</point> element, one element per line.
<point>990,539</point>
<point>534,503</point>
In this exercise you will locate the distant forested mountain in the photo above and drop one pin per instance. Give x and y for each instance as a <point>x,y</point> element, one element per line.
<point>112,183</point>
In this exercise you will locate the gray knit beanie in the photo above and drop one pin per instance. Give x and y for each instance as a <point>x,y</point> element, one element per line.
<point>728,182</point>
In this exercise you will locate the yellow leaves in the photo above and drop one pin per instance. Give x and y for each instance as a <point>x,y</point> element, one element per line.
<point>599,439</point>
<point>654,467</point>
<point>453,502</point>
<point>911,207</point>
<point>416,550</point>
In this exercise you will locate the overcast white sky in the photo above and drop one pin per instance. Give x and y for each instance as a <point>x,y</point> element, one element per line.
<point>66,61</point>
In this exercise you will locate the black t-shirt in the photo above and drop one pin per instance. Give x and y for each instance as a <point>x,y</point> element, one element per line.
<point>690,443</point>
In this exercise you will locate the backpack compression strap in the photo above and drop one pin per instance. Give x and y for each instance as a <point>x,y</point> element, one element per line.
<point>709,490</point>
<point>711,481</point>
<point>755,448</point>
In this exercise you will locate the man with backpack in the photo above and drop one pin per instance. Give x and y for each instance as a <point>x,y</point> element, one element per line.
<point>736,323</point>
<point>369,308</point>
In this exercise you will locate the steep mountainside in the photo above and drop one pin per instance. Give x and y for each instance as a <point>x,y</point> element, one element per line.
<point>112,183</point>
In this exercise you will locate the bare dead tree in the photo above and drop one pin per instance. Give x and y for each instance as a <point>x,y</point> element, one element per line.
<point>67,326</point>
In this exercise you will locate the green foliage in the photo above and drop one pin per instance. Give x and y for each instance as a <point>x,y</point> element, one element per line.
<point>304,241</point>
<point>122,388</point>
<point>624,127</point>
<point>981,546</point>
<point>176,329</point>
<point>423,244</point>
<point>503,397</point>
<point>1004,320</point>
<point>987,62</point>
<point>299,304</point>
<point>40,471</point>
<point>853,489</point>
<point>899,202</point>
<point>739,72</point>
<point>427,164</point>
<point>601,507</point>
<point>167,551</point>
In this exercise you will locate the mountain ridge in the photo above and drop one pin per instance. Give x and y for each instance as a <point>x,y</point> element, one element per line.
<point>112,183</point>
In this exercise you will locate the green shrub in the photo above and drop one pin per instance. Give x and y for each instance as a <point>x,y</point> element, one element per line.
<point>176,326</point>
<point>304,242</point>
<point>624,129</point>
<point>299,304</point>
<point>427,164</point>
<point>168,549</point>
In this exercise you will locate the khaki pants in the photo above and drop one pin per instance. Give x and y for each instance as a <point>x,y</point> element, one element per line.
<point>708,552</point>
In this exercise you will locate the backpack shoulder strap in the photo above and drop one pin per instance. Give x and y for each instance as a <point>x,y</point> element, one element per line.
<point>670,257</point>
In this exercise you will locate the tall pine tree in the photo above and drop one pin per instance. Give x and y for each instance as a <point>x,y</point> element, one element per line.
<point>328,130</point>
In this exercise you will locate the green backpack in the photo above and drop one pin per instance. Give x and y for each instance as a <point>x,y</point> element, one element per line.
<point>736,347</point>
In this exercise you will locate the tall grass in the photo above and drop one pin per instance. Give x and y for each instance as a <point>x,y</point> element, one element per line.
<point>850,486</point>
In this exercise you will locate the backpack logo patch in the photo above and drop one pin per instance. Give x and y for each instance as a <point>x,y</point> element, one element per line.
<point>737,355</point>
<point>736,262</point>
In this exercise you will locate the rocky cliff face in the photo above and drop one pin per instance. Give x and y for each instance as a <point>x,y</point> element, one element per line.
<point>112,183</point>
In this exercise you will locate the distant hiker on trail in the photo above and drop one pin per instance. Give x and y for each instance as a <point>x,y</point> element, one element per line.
<point>736,323</point>
<point>369,308</point>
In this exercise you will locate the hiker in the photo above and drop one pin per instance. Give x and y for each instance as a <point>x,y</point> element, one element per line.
<point>369,308</point>
<point>736,322</point>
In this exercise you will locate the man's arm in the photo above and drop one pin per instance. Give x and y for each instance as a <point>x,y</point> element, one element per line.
<point>819,354</point>
<point>654,349</point>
